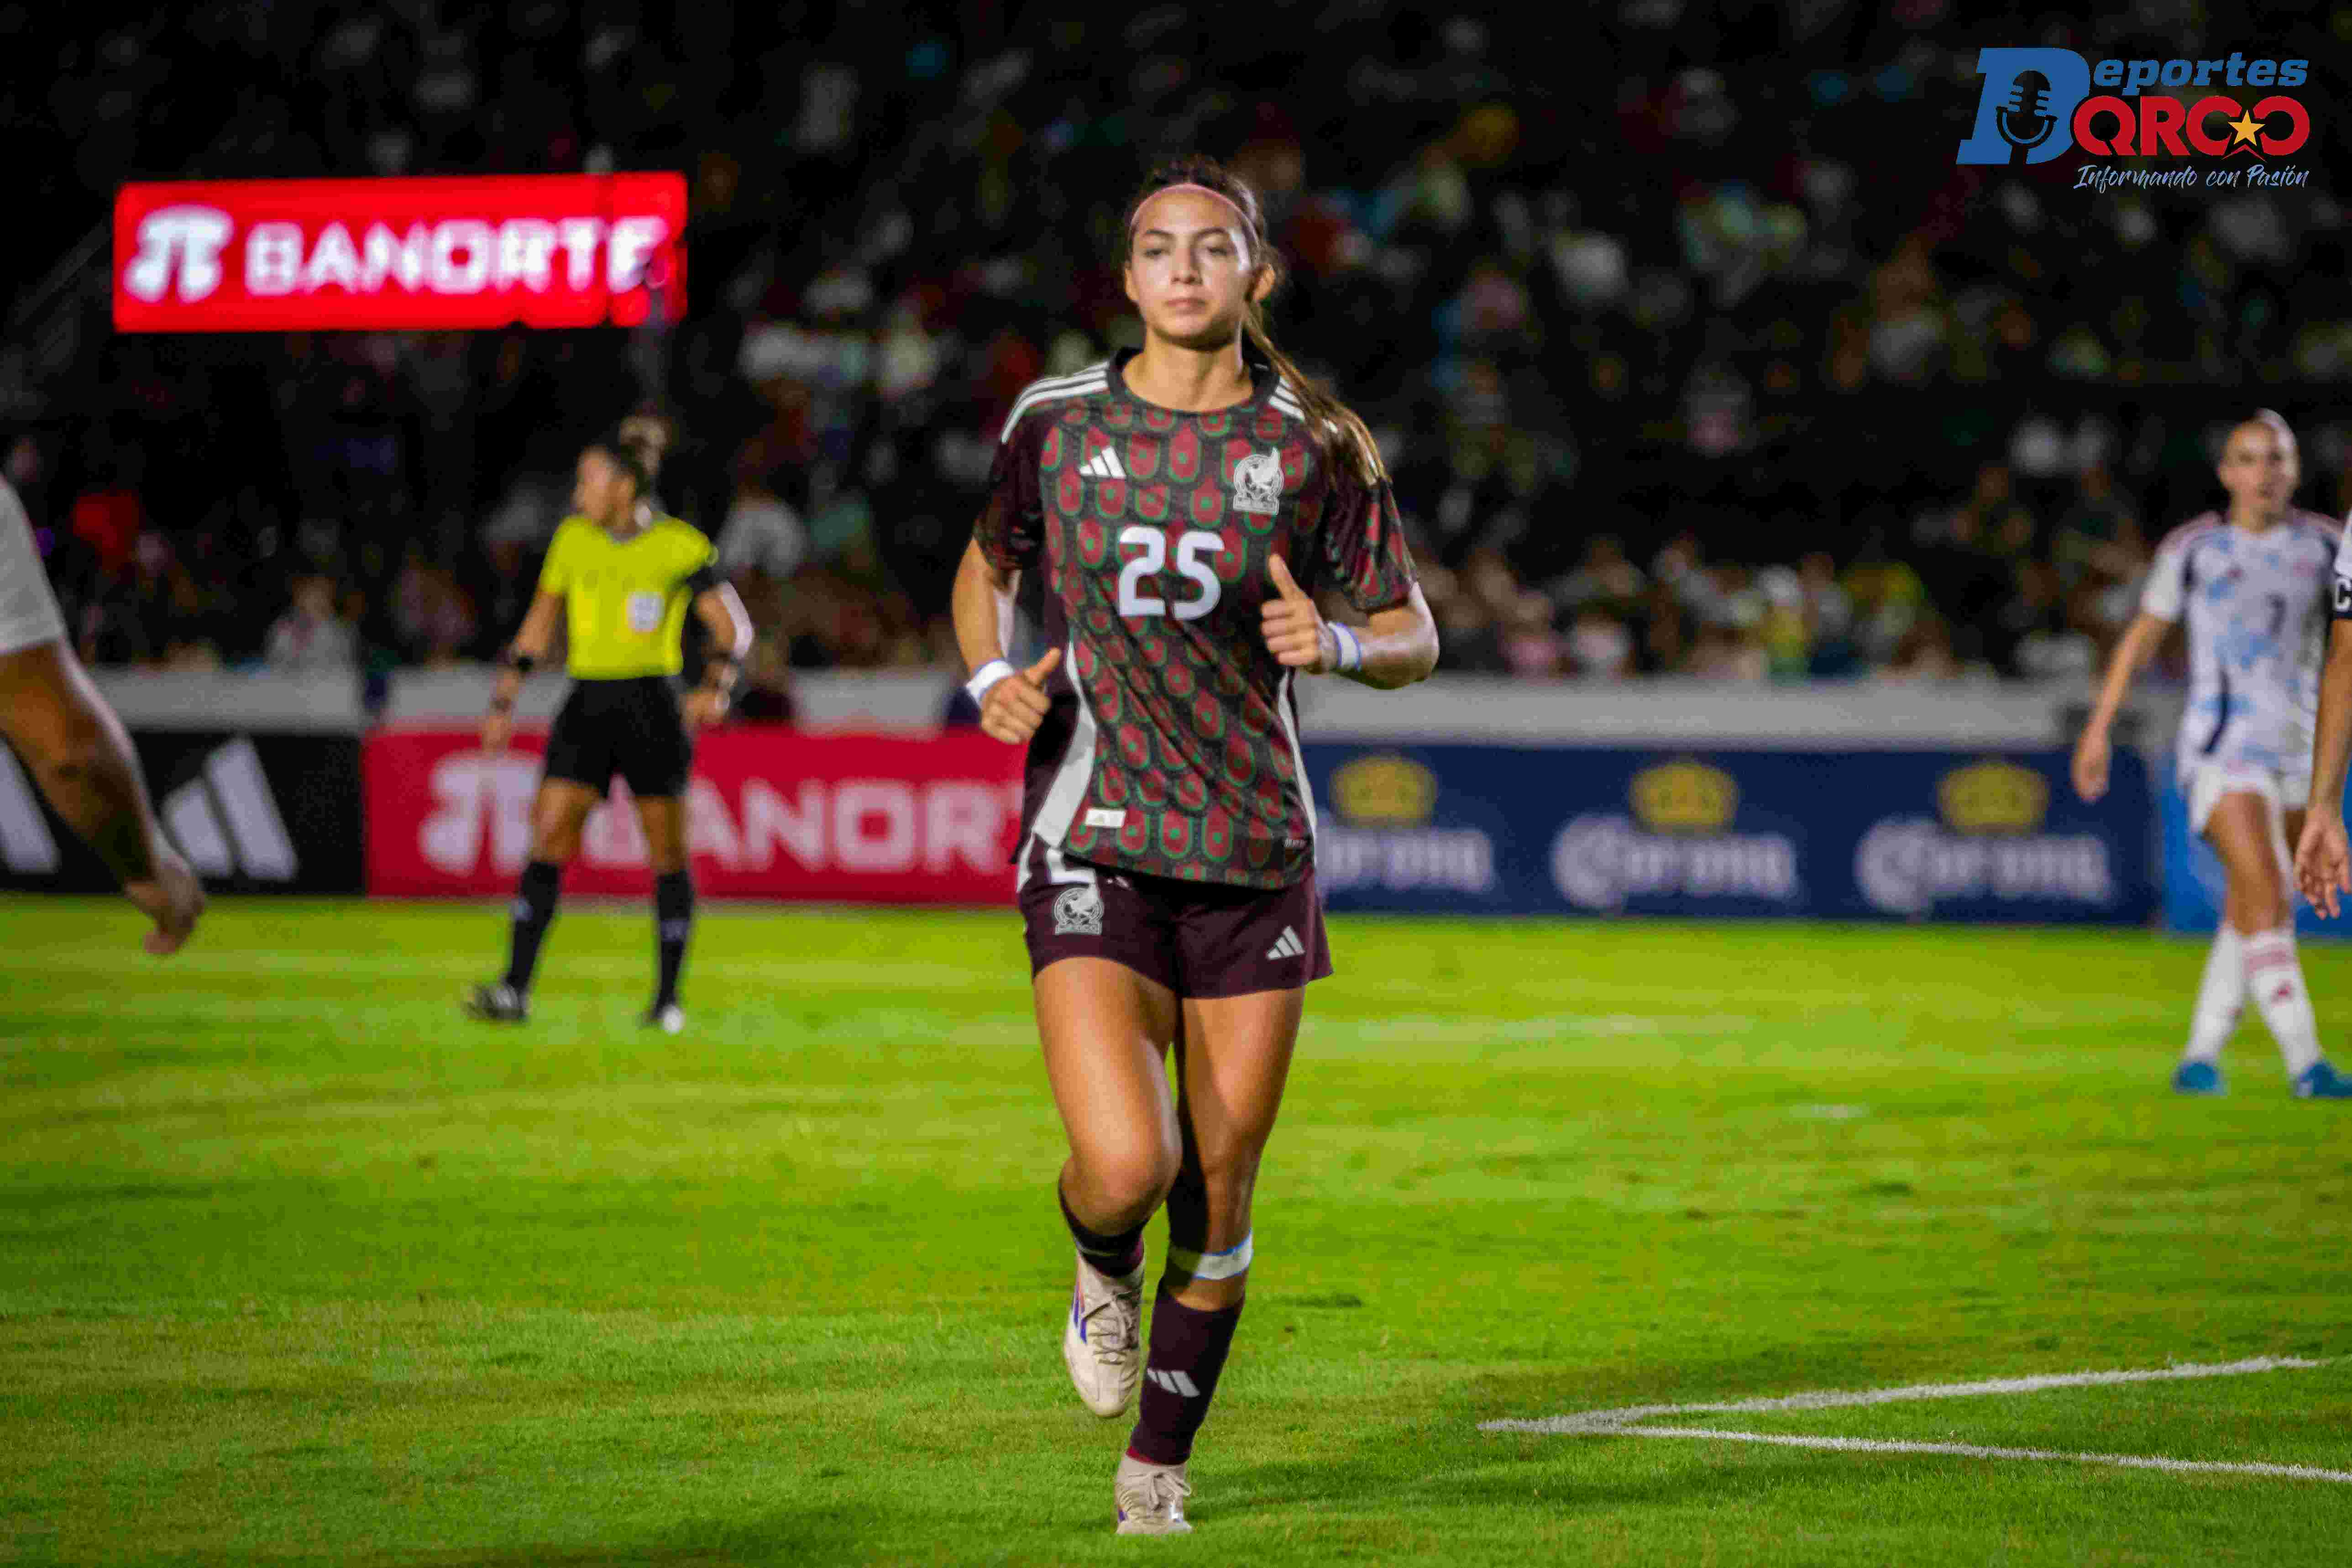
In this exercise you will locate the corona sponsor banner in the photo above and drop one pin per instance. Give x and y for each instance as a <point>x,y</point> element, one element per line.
<point>1843,835</point>
<point>552,250</point>
<point>771,814</point>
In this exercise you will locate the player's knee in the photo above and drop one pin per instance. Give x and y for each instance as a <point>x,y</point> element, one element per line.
<point>1133,1180</point>
<point>553,836</point>
<point>1227,1174</point>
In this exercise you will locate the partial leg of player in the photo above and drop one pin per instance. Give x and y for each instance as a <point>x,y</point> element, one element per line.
<point>557,814</point>
<point>1105,1029</point>
<point>2245,831</point>
<point>1233,1060</point>
<point>663,818</point>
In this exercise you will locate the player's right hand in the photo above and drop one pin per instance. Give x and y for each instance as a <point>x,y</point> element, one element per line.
<point>497,730</point>
<point>172,899</point>
<point>1017,704</point>
<point>2323,862</point>
<point>2091,764</point>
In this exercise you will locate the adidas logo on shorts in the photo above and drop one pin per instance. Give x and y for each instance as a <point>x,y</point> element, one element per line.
<point>1288,946</point>
<point>1104,465</point>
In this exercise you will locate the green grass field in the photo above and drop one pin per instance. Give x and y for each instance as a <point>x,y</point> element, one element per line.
<point>296,1264</point>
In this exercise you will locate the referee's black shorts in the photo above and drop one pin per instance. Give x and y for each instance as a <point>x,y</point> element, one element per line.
<point>627,726</point>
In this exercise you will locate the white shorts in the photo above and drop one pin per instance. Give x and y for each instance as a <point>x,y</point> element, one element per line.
<point>29,611</point>
<point>2280,793</point>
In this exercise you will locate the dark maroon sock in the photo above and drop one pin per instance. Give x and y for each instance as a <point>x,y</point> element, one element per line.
<point>1179,1377</point>
<point>1119,1254</point>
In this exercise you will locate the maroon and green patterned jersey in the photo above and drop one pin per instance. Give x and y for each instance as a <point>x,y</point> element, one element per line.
<point>1172,745</point>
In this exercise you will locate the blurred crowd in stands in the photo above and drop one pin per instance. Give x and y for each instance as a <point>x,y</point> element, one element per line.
<point>1691,348</point>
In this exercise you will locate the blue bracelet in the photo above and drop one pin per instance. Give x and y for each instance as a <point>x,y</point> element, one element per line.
<point>1351,651</point>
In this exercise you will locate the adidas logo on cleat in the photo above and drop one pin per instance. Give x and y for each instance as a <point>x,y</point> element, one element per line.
<point>1288,946</point>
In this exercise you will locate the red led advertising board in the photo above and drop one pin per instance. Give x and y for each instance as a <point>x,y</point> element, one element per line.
<point>545,250</point>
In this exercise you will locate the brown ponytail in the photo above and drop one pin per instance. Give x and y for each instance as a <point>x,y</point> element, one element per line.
<point>636,446</point>
<point>1334,428</point>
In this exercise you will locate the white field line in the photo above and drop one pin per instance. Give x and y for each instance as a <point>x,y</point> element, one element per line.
<point>1971,1452</point>
<point>1633,1420</point>
<point>1834,1399</point>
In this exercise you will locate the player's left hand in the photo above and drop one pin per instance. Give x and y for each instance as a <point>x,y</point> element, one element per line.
<point>2322,863</point>
<point>1294,629</point>
<point>702,708</point>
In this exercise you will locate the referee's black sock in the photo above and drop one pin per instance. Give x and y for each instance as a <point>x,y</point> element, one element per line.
<point>672,923</point>
<point>534,911</point>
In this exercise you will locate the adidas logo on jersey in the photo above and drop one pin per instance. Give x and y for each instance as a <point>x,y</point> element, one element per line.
<point>1177,1383</point>
<point>1289,946</point>
<point>1104,465</point>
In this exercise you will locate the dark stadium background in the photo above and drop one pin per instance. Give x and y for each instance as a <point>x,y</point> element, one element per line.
<point>1692,348</point>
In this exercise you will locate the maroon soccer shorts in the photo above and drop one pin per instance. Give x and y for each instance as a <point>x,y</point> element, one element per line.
<point>1198,939</point>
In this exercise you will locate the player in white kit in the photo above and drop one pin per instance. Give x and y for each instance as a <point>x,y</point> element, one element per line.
<point>54,720</point>
<point>2253,585</point>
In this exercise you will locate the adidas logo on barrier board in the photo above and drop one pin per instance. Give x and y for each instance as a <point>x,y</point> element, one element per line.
<point>224,820</point>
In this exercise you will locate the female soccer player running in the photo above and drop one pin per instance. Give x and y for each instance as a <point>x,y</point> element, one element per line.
<point>1182,503</point>
<point>2253,586</point>
<point>624,574</point>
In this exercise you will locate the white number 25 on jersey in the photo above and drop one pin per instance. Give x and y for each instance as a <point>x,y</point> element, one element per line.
<point>1190,549</point>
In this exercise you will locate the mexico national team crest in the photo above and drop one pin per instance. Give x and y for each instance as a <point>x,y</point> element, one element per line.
<point>1257,483</point>
<point>1078,911</point>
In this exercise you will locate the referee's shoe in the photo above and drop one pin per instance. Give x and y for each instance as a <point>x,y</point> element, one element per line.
<point>498,1003</point>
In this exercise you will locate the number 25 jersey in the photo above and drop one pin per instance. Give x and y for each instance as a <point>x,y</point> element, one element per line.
<point>1171,747</point>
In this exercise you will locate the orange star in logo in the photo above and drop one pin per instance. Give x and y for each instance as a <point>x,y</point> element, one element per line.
<point>2246,128</point>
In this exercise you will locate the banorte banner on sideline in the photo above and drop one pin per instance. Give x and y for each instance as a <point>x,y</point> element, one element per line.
<point>771,813</point>
<point>545,250</point>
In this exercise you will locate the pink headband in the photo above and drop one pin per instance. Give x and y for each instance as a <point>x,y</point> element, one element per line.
<point>1188,185</point>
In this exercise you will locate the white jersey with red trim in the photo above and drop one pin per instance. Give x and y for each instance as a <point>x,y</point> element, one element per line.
<point>2256,607</point>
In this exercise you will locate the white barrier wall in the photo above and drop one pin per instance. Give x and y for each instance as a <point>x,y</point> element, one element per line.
<point>1669,711</point>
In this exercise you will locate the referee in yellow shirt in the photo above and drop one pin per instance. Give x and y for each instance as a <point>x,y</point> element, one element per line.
<point>621,576</point>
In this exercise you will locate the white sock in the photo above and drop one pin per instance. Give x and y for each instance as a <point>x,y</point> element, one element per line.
<point>2221,996</point>
<point>2274,974</point>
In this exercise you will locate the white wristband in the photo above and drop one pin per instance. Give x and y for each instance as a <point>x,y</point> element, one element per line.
<point>985,678</point>
<point>1350,650</point>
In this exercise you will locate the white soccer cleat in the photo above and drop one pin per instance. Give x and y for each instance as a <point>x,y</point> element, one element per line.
<point>1103,1341</point>
<point>1151,1497</point>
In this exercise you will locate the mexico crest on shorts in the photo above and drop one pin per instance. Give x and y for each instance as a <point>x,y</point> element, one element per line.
<point>1257,483</point>
<point>1078,911</point>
